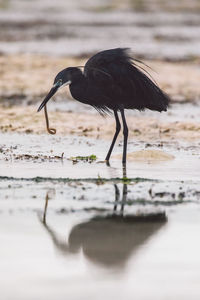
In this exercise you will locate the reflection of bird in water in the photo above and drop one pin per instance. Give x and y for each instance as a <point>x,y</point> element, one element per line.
<point>108,240</point>
<point>111,240</point>
<point>111,82</point>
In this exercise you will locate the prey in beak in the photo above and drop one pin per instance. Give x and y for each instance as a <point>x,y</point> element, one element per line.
<point>57,85</point>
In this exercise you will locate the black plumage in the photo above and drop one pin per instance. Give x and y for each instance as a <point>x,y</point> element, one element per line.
<point>111,82</point>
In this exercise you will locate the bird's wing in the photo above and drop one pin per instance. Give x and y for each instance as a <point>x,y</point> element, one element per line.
<point>100,67</point>
<point>119,77</point>
<point>111,71</point>
<point>115,71</point>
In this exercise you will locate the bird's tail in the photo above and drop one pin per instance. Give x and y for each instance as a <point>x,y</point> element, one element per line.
<point>147,90</point>
<point>160,101</point>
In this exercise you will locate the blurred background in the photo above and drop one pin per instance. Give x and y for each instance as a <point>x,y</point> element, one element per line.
<point>38,38</point>
<point>156,29</point>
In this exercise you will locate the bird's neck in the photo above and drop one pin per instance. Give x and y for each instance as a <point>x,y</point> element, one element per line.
<point>78,88</point>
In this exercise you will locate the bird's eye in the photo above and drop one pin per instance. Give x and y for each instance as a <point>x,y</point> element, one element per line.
<point>60,81</point>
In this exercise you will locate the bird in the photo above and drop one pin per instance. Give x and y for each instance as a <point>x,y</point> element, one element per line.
<point>112,81</point>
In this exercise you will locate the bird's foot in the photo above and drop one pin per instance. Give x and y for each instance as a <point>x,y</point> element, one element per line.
<point>107,162</point>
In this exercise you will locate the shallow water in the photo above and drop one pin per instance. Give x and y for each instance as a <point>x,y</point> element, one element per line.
<point>83,247</point>
<point>25,156</point>
<point>72,230</point>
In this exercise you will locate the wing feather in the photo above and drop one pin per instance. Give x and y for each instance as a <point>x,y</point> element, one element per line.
<point>123,82</point>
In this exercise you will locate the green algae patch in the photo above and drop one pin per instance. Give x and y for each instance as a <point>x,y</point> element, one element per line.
<point>90,158</point>
<point>126,180</point>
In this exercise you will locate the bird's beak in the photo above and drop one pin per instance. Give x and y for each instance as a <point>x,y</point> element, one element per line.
<point>49,95</point>
<point>53,90</point>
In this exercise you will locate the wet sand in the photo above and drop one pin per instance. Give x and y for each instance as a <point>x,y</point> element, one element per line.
<point>143,126</point>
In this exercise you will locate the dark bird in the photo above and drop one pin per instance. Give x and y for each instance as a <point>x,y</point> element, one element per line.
<point>112,82</point>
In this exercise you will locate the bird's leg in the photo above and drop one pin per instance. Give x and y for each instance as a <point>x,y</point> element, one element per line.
<point>118,127</point>
<point>125,133</point>
<point>124,172</point>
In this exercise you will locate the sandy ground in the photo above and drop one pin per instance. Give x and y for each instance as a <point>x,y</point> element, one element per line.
<point>31,76</point>
<point>25,80</point>
<point>18,119</point>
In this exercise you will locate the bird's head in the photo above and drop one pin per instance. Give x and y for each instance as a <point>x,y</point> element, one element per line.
<point>63,78</point>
